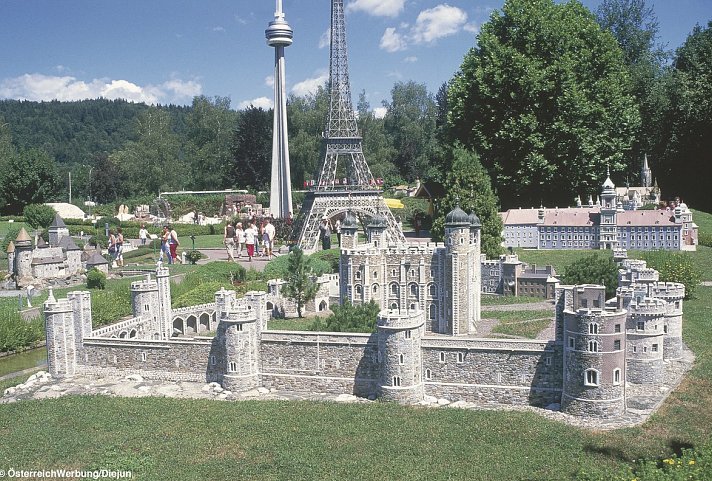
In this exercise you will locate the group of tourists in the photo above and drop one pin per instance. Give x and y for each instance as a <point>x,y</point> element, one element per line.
<point>249,239</point>
<point>169,245</point>
<point>116,246</point>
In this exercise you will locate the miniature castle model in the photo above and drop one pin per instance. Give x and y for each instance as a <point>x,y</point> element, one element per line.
<point>59,259</point>
<point>425,343</point>
<point>604,225</point>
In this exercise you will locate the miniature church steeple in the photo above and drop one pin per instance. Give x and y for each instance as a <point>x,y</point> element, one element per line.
<point>646,175</point>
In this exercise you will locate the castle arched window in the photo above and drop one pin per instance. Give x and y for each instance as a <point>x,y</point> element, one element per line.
<point>374,289</point>
<point>593,346</point>
<point>408,334</point>
<point>396,381</point>
<point>413,290</point>
<point>401,359</point>
<point>359,290</point>
<point>460,357</point>
<point>442,357</point>
<point>593,328</point>
<point>393,273</point>
<point>431,311</point>
<point>591,377</point>
<point>433,290</point>
<point>375,274</point>
<point>212,360</point>
<point>232,367</point>
<point>394,289</point>
<point>616,376</point>
<point>358,275</point>
<point>428,374</point>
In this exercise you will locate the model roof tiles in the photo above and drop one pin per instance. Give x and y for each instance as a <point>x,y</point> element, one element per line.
<point>58,222</point>
<point>582,217</point>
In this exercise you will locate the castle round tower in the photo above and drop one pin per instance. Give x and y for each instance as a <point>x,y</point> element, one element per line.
<point>459,249</point>
<point>376,230</point>
<point>144,304</point>
<point>475,269</point>
<point>349,231</point>
<point>23,258</point>
<point>673,293</point>
<point>400,356</point>
<point>645,339</point>
<point>11,257</point>
<point>594,362</point>
<point>238,332</point>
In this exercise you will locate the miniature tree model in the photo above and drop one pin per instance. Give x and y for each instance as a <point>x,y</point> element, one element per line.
<point>300,286</point>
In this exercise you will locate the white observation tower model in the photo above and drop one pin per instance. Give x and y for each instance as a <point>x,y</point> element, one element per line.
<point>279,35</point>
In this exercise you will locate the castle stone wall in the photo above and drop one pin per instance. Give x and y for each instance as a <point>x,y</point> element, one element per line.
<point>492,371</point>
<point>174,360</point>
<point>321,362</point>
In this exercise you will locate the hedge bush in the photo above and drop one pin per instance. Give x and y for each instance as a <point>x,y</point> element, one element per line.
<point>96,279</point>
<point>39,215</point>
<point>15,332</point>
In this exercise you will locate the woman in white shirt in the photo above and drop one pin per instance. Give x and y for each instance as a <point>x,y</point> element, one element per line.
<point>240,239</point>
<point>250,240</point>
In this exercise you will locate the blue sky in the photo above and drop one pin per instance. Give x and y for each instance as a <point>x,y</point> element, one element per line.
<point>167,51</point>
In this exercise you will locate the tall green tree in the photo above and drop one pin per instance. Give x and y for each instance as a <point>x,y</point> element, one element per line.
<point>307,117</point>
<point>29,177</point>
<point>7,152</point>
<point>210,127</point>
<point>410,123</point>
<point>251,161</point>
<point>689,145</point>
<point>300,286</point>
<point>546,101</point>
<point>635,26</point>
<point>469,185</point>
<point>153,162</point>
<point>377,146</point>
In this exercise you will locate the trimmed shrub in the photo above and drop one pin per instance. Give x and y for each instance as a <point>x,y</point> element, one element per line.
<point>593,269</point>
<point>330,256</point>
<point>39,215</point>
<point>349,318</point>
<point>11,235</point>
<point>96,279</point>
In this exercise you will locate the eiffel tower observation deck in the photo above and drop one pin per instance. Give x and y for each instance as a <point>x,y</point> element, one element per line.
<point>344,181</point>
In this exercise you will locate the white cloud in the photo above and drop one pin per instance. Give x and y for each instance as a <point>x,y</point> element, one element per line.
<point>392,41</point>
<point>259,103</point>
<point>310,85</point>
<point>380,112</point>
<point>377,8</point>
<point>325,39</point>
<point>440,21</point>
<point>269,81</point>
<point>432,24</point>
<point>218,29</point>
<point>66,88</point>
<point>411,59</point>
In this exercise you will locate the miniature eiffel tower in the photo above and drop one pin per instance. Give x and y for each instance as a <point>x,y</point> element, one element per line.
<point>344,182</point>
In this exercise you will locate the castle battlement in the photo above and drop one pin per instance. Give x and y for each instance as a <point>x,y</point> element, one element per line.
<point>669,290</point>
<point>648,306</point>
<point>393,319</point>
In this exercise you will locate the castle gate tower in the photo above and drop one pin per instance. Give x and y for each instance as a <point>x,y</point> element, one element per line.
<point>400,356</point>
<point>344,180</point>
<point>279,35</point>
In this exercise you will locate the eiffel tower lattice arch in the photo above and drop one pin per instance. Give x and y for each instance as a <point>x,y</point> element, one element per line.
<point>344,181</point>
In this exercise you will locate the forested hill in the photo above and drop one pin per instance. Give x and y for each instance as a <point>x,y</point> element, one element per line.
<point>75,132</point>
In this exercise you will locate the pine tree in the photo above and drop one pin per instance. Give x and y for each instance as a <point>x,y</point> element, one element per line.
<point>300,286</point>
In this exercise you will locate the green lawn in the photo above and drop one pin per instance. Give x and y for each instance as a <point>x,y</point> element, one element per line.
<point>290,324</point>
<point>703,221</point>
<point>497,300</point>
<point>5,226</point>
<point>520,323</point>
